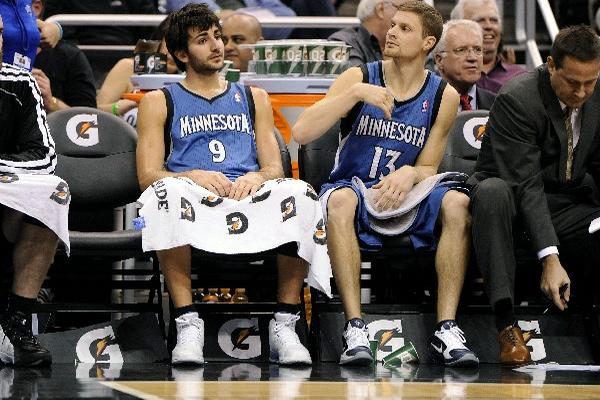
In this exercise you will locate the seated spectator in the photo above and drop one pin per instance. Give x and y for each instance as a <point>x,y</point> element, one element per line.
<point>118,82</point>
<point>380,122</point>
<point>485,12</point>
<point>368,38</point>
<point>109,34</point>
<point>220,188</point>
<point>63,74</point>
<point>23,33</point>
<point>258,8</point>
<point>539,155</point>
<point>239,29</point>
<point>459,59</point>
<point>34,206</point>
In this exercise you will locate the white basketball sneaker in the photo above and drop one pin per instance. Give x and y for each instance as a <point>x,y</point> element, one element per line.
<point>190,340</point>
<point>284,342</point>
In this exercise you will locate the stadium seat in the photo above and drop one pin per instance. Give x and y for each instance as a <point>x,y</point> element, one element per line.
<point>464,142</point>
<point>96,157</point>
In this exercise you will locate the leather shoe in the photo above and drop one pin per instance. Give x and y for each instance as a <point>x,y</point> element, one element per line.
<point>513,350</point>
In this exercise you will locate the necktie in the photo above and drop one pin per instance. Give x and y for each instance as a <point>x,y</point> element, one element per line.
<point>465,102</point>
<point>569,127</point>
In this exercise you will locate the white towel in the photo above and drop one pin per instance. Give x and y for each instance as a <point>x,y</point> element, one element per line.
<point>396,221</point>
<point>43,197</point>
<point>178,212</point>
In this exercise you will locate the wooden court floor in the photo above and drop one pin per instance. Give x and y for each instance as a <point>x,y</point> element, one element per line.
<point>240,381</point>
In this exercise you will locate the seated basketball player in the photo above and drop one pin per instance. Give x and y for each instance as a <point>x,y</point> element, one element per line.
<point>395,121</point>
<point>34,204</point>
<point>221,170</point>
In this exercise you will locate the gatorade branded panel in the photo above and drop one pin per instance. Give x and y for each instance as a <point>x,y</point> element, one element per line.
<point>554,338</point>
<point>241,336</point>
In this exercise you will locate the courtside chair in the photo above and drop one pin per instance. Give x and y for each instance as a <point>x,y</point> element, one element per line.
<point>96,157</point>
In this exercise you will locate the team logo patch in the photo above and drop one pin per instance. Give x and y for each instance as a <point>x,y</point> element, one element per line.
<point>211,200</point>
<point>187,211</point>
<point>288,208</point>
<point>310,192</point>
<point>8,177</point>
<point>237,97</point>
<point>260,197</point>
<point>473,131</point>
<point>320,236</point>
<point>99,346</point>
<point>61,194</point>
<point>82,129</point>
<point>237,223</point>
<point>425,106</point>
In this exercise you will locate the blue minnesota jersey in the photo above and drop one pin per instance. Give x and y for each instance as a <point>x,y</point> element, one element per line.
<point>211,134</point>
<point>372,146</point>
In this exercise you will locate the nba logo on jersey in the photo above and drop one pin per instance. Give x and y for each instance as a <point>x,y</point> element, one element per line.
<point>425,106</point>
<point>237,97</point>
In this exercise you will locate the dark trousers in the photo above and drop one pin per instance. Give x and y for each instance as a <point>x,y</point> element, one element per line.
<point>495,217</point>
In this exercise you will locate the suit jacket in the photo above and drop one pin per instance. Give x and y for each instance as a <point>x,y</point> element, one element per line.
<point>485,98</point>
<point>525,144</point>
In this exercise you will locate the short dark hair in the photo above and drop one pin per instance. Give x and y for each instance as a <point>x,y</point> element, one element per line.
<point>579,42</point>
<point>192,15</point>
<point>431,19</point>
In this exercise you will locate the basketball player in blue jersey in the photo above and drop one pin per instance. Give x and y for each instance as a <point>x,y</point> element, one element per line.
<point>220,144</point>
<point>395,117</point>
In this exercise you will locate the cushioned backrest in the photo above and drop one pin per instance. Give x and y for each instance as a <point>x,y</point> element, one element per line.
<point>286,159</point>
<point>96,156</point>
<point>464,141</point>
<point>316,159</point>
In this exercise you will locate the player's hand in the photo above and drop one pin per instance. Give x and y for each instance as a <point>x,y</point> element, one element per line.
<point>246,185</point>
<point>214,181</point>
<point>44,84</point>
<point>49,33</point>
<point>392,189</point>
<point>378,96</point>
<point>553,277</point>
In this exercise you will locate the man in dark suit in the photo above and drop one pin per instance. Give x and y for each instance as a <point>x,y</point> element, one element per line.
<point>459,60</point>
<point>538,162</point>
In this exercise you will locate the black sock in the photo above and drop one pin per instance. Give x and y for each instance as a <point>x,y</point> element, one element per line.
<point>178,312</point>
<point>287,308</point>
<point>20,304</point>
<point>504,313</point>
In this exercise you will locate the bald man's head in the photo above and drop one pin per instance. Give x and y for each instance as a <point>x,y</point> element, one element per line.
<point>240,29</point>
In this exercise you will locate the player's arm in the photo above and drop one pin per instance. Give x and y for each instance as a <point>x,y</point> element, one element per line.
<point>394,187</point>
<point>150,154</point>
<point>347,90</point>
<point>269,158</point>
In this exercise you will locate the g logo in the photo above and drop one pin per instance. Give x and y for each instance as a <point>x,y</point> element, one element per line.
<point>288,208</point>
<point>8,177</point>
<point>387,332</point>
<point>82,129</point>
<point>237,223</point>
<point>239,338</point>
<point>98,346</point>
<point>61,194</point>
<point>473,131</point>
<point>211,200</point>
<point>187,211</point>
<point>536,343</point>
<point>320,236</point>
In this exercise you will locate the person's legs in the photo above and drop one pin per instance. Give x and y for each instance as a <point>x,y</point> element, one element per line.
<point>35,246</point>
<point>344,253</point>
<point>283,341</point>
<point>176,266</point>
<point>451,260</point>
<point>493,213</point>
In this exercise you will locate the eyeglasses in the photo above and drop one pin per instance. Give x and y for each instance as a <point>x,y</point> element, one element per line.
<point>464,51</point>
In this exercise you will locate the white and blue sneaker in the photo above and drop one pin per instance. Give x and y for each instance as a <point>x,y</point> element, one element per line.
<point>447,346</point>
<point>190,340</point>
<point>356,344</point>
<point>284,343</point>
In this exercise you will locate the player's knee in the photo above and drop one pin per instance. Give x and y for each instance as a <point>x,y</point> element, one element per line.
<point>341,206</point>
<point>455,209</point>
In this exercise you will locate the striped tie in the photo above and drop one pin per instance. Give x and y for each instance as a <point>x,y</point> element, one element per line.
<point>569,127</point>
